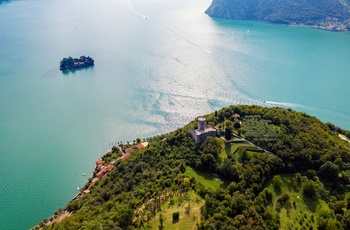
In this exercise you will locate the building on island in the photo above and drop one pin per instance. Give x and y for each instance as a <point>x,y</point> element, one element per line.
<point>99,164</point>
<point>138,146</point>
<point>203,131</point>
<point>104,171</point>
<point>141,145</point>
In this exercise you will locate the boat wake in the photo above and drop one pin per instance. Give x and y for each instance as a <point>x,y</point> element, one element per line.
<point>286,104</point>
<point>132,8</point>
<point>324,112</point>
<point>292,105</point>
<point>196,44</point>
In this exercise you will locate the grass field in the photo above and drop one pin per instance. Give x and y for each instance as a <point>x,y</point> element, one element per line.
<point>189,208</point>
<point>226,150</point>
<point>236,147</point>
<point>207,179</point>
<point>298,212</point>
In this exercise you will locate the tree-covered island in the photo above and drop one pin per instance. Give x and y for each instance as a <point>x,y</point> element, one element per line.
<point>75,63</point>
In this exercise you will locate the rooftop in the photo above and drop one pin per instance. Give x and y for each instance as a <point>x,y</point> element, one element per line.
<point>139,146</point>
<point>205,130</point>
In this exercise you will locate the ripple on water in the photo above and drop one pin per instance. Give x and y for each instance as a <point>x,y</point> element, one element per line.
<point>4,187</point>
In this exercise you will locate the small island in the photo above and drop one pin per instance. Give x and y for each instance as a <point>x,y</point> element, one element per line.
<point>75,63</point>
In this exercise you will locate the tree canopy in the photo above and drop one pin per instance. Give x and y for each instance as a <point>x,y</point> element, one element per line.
<point>135,190</point>
<point>325,14</point>
<point>73,63</point>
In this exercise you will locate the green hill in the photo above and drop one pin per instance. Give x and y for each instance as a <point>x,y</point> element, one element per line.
<point>299,180</point>
<point>324,14</point>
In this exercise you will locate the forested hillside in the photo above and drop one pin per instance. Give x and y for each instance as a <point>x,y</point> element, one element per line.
<point>300,178</point>
<point>325,14</point>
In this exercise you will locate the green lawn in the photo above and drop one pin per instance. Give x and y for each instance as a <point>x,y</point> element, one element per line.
<point>205,178</point>
<point>299,212</point>
<point>189,208</point>
<point>225,150</point>
<point>236,147</point>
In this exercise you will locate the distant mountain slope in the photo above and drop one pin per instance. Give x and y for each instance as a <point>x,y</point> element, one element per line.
<point>324,14</point>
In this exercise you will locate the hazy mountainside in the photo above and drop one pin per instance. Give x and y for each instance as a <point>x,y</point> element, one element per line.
<point>4,1</point>
<point>325,14</point>
<point>308,164</point>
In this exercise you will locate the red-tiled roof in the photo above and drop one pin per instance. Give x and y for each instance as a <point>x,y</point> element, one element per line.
<point>139,146</point>
<point>128,151</point>
<point>99,164</point>
<point>101,172</point>
<point>93,182</point>
<point>110,168</point>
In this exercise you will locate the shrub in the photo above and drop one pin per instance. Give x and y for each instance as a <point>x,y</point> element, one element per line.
<point>311,174</point>
<point>309,189</point>
<point>176,216</point>
<point>277,181</point>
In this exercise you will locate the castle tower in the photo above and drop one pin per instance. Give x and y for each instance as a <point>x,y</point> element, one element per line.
<point>201,123</point>
<point>203,131</point>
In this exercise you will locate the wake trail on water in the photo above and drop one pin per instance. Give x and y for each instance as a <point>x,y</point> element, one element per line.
<point>196,44</point>
<point>288,104</point>
<point>132,8</point>
<point>300,106</point>
<point>308,108</point>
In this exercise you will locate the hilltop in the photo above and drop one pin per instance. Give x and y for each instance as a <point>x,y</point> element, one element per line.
<point>324,14</point>
<point>267,168</point>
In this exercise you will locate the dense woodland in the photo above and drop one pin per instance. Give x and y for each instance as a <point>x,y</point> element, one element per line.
<point>300,145</point>
<point>326,14</point>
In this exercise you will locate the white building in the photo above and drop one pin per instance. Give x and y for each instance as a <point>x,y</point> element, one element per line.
<point>203,131</point>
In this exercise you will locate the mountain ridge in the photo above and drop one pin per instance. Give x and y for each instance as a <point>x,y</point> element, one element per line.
<point>333,15</point>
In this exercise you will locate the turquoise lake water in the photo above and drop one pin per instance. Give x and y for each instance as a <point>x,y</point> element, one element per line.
<point>150,76</point>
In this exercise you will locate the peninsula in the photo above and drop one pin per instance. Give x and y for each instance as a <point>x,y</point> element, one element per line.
<point>333,15</point>
<point>75,63</point>
<point>265,168</point>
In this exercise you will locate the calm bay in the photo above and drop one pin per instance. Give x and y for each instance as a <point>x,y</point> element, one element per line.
<point>158,65</point>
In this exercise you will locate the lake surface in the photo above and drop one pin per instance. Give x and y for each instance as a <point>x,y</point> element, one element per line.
<point>158,65</point>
